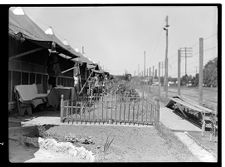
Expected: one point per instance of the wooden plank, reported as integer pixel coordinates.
(72, 109)
(138, 110)
(151, 113)
(61, 108)
(102, 109)
(67, 109)
(111, 109)
(142, 112)
(185, 104)
(129, 113)
(11, 82)
(133, 111)
(94, 113)
(193, 103)
(85, 115)
(106, 111)
(89, 114)
(146, 110)
(116, 111)
(81, 106)
(28, 78)
(124, 111)
(120, 112)
(76, 112)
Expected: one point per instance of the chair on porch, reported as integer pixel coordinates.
(27, 98)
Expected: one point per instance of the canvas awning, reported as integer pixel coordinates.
(23, 26)
(83, 59)
(89, 66)
(98, 71)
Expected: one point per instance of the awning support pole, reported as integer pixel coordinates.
(85, 83)
(25, 53)
(68, 70)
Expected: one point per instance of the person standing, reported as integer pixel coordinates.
(53, 68)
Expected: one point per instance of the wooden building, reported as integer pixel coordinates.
(28, 54)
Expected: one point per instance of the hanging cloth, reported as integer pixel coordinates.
(53, 67)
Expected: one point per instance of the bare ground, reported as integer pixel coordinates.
(130, 144)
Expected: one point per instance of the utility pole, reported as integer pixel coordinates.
(150, 74)
(159, 80)
(153, 73)
(186, 51)
(162, 71)
(178, 78)
(138, 70)
(83, 50)
(147, 72)
(144, 63)
(200, 70)
(166, 57)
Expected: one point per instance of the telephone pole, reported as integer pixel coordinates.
(138, 70)
(159, 79)
(200, 82)
(166, 57)
(153, 73)
(187, 51)
(83, 50)
(178, 78)
(144, 63)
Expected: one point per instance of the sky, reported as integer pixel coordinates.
(116, 37)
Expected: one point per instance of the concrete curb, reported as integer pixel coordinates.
(202, 154)
(203, 147)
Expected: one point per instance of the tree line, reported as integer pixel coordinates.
(209, 76)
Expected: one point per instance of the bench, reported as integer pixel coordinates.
(28, 97)
(184, 104)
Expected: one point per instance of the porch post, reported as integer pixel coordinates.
(61, 108)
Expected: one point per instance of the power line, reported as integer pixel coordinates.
(207, 49)
(210, 36)
(210, 48)
(196, 43)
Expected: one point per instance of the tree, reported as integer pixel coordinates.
(184, 80)
(195, 79)
(210, 73)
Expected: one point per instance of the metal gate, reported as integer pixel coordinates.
(110, 109)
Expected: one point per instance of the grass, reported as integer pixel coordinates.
(107, 144)
(174, 144)
(205, 142)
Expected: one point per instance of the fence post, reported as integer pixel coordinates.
(157, 111)
(102, 109)
(61, 108)
(203, 124)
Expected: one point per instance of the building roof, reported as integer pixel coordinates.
(23, 25)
